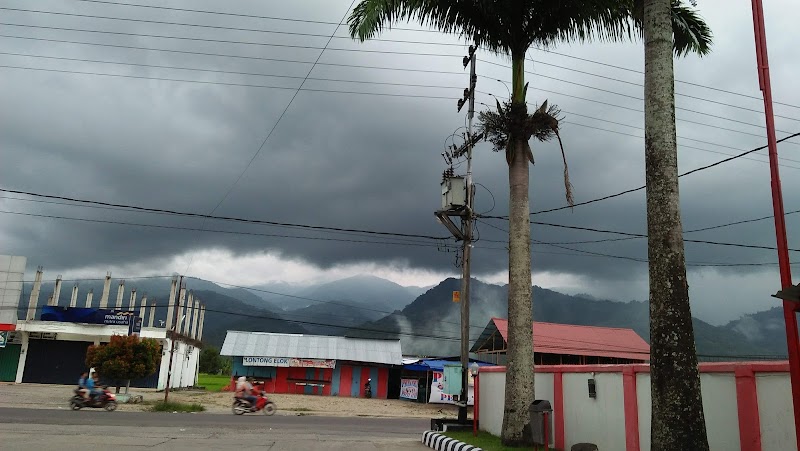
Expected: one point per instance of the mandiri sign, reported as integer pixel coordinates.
(87, 315)
(288, 362)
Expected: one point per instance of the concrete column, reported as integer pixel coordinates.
(23, 357)
(56, 291)
(152, 312)
(33, 303)
(187, 323)
(196, 318)
(202, 321)
(120, 294)
(132, 301)
(73, 301)
(142, 308)
(50, 300)
(171, 304)
(89, 297)
(106, 291)
(181, 309)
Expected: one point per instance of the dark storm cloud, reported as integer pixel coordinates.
(355, 161)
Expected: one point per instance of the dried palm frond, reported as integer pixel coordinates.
(511, 120)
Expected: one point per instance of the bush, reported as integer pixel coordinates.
(125, 358)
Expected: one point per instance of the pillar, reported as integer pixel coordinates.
(89, 297)
(152, 312)
(23, 356)
(33, 303)
(171, 304)
(187, 323)
(202, 321)
(181, 309)
(56, 291)
(132, 301)
(73, 301)
(196, 318)
(142, 308)
(120, 294)
(106, 290)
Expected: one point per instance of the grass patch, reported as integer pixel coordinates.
(484, 440)
(162, 406)
(213, 382)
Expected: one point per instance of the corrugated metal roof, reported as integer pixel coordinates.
(552, 338)
(265, 344)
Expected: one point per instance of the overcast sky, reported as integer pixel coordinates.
(367, 162)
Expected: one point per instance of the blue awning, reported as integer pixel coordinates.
(437, 364)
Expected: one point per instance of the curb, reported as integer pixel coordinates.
(441, 442)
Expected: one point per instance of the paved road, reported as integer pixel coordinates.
(95, 429)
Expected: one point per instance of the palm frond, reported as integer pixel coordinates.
(690, 32)
(511, 122)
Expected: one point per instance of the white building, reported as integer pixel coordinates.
(49, 345)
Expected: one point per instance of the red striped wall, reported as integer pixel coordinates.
(383, 383)
(345, 380)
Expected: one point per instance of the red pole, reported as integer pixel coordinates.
(792, 338)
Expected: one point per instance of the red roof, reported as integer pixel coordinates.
(551, 338)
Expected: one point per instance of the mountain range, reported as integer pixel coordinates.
(424, 319)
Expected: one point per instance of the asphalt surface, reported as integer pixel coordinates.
(96, 429)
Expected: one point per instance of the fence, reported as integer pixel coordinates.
(747, 405)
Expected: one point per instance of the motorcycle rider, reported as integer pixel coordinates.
(82, 389)
(91, 385)
(244, 390)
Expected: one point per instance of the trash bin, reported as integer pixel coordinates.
(540, 411)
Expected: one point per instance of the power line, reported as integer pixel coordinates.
(701, 168)
(223, 41)
(642, 72)
(231, 232)
(745, 221)
(225, 55)
(224, 218)
(203, 82)
(241, 15)
(637, 236)
(258, 74)
(283, 113)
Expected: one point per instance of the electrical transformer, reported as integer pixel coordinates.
(454, 193)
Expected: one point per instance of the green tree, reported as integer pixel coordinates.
(210, 361)
(125, 358)
(510, 28)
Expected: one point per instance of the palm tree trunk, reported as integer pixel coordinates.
(677, 409)
(519, 372)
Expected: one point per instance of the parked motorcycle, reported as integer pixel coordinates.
(105, 400)
(242, 406)
(368, 389)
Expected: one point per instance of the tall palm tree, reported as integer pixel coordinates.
(677, 420)
(511, 27)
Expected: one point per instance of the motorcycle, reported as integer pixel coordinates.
(368, 389)
(242, 405)
(105, 400)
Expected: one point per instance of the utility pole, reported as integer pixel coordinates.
(466, 222)
(789, 308)
(172, 339)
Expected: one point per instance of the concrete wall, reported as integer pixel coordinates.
(12, 271)
(185, 362)
(756, 396)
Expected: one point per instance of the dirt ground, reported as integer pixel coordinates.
(57, 397)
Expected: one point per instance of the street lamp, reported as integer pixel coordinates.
(474, 368)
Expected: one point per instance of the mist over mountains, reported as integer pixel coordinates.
(425, 320)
